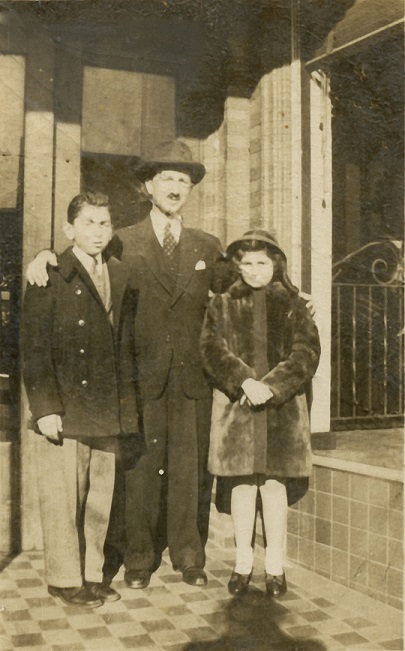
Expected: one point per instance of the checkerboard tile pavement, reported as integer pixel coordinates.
(315, 614)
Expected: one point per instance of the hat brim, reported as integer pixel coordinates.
(147, 169)
(234, 246)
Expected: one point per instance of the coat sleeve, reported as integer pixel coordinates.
(126, 365)
(226, 369)
(290, 376)
(38, 364)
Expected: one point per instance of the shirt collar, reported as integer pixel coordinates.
(159, 221)
(86, 259)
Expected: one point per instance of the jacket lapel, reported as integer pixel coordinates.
(151, 251)
(118, 273)
(190, 249)
(69, 266)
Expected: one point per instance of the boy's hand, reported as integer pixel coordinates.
(256, 392)
(310, 303)
(51, 427)
(36, 270)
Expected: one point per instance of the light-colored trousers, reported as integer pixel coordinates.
(75, 485)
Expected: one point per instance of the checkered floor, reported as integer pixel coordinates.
(314, 615)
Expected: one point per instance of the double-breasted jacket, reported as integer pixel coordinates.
(76, 363)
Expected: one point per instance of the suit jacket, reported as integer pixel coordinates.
(76, 363)
(170, 311)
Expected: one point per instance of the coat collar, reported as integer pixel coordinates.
(276, 290)
(70, 266)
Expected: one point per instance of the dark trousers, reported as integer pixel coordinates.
(168, 493)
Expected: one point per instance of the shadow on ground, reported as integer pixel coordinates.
(251, 623)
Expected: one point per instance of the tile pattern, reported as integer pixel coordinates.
(316, 614)
(349, 528)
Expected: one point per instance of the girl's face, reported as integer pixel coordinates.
(256, 268)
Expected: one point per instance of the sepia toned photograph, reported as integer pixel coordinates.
(201, 325)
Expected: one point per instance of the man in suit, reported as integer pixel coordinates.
(78, 373)
(168, 492)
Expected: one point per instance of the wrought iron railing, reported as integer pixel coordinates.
(368, 337)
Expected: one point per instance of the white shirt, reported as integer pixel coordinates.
(88, 260)
(159, 221)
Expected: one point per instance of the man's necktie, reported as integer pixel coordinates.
(169, 242)
(99, 279)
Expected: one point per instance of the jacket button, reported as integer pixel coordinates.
(78, 291)
(81, 351)
(161, 471)
(168, 338)
(84, 383)
(81, 323)
(154, 441)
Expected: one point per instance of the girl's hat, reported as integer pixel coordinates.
(257, 235)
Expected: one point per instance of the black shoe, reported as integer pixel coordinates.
(76, 596)
(137, 579)
(238, 583)
(195, 576)
(103, 591)
(276, 585)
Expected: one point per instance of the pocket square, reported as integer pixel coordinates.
(200, 265)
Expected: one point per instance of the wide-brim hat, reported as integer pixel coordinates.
(256, 234)
(170, 155)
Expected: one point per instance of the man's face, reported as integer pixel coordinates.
(169, 190)
(256, 269)
(91, 230)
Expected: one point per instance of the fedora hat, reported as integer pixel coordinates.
(257, 235)
(170, 155)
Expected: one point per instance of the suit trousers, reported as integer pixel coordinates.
(168, 493)
(75, 485)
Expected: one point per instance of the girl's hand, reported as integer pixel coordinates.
(256, 392)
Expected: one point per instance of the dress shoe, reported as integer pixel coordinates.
(195, 576)
(103, 591)
(276, 585)
(137, 579)
(76, 596)
(238, 583)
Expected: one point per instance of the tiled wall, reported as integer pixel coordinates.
(349, 527)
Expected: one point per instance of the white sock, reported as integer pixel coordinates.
(243, 511)
(275, 508)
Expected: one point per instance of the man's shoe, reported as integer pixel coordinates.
(238, 583)
(103, 591)
(195, 576)
(276, 585)
(137, 579)
(76, 596)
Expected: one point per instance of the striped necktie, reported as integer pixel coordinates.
(99, 279)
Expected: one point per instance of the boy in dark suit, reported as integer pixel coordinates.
(79, 379)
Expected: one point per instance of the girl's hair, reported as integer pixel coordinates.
(280, 264)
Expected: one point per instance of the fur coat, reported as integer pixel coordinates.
(275, 439)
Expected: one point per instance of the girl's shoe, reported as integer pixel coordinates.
(238, 583)
(276, 585)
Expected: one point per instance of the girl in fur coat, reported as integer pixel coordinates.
(261, 348)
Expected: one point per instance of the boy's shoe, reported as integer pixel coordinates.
(103, 591)
(276, 585)
(81, 597)
(238, 583)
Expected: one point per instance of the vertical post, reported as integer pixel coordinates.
(321, 241)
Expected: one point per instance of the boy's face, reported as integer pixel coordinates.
(256, 269)
(170, 190)
(91, 230)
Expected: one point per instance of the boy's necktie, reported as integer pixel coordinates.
(99, 280)
(169, 242)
